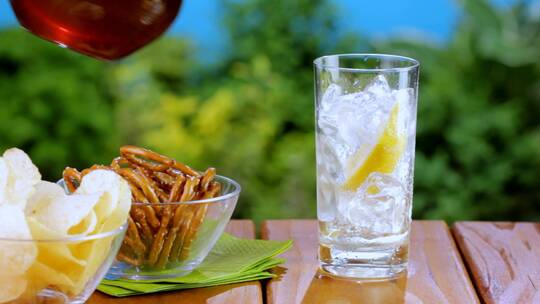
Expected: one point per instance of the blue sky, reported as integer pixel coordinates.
(433, 19)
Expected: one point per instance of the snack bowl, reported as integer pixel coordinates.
(186, 233)
(60, 270)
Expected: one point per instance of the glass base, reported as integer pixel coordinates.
(370, 263)
(125, 271)
(364, 271)
(53, 296)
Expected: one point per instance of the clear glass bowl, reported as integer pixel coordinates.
(64, 270)
(176, 248)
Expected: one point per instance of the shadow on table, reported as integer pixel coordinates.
(325, 289)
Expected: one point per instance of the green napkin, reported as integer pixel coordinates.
(232, 260)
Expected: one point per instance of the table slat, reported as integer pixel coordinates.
(436, 273)
(249, 292)
(503, 259)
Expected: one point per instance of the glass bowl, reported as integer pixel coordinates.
(178, 245)
(64, 270)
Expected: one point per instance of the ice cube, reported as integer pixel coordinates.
(379, 207)
(355, 121)
(378, 86)
(326, 197)
(331, 96)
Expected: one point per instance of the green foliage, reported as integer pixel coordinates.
(478, 138)
(251, 116)
(55, 104)
(241, 128)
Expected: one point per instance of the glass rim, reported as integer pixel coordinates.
(414, 64)
(235, 192)
(71, 239)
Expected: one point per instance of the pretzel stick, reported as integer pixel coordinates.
(93, 168)
(184, 227)
(196, 222)
(133, 241)
(154, 162)
(193, 217)
(192, 229)
(150, 213)
(157, 161)
(140, 217)
(137, 180)
(136, 242)
(189, 189)
(124, 258)
(163, 179)
(181, 215)
(145, 175)
(157, 244)
(177, 187)
(208, 176)
(119, 162)
(157, 233)
(187, 194)
(174, 172)
(184, 169)
(167, 247)
(137, 195)
(72, 178)
(128, 251)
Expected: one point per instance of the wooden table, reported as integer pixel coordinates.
(474, 262)
(250, 292)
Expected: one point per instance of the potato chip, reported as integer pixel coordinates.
(52, 253)
(22, 177)
(15, 257)
(39, 210)
(3, 179)
(42, 276)
(65, 212)
(86, 226)
(57, 258)
(111, 184)
(97, 251)
(12, 287)
(44, 193)
(118, 189)
(119, 216)
(41, 232)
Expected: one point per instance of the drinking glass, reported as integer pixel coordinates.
(365, 138)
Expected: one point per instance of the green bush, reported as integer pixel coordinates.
(54, 104)
(478, 139)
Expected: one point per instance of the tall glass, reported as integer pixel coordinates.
(365, 130)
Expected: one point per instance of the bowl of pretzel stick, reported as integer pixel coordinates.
(177, 213)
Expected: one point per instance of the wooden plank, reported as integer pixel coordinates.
(249, 292)
(436, 273)
(503, 259)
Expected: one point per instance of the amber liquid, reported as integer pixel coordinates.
(105, 29)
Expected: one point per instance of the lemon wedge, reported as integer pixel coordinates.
(383, 157)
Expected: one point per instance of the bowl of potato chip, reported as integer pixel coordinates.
(177, 213)
(55, 247)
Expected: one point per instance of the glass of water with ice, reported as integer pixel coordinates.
(365, 129)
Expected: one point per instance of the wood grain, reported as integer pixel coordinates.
(503, 259)
(249, 292)
(436, 273)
